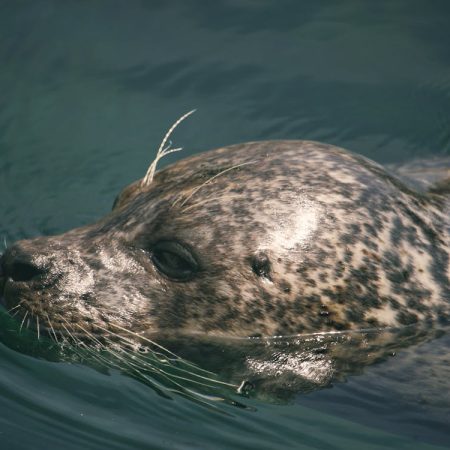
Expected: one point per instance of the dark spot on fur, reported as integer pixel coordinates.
(323, 277)
(355, 315)
(310, 282)
(338, 325)
(394, 303)
(407, 318)
(339, 269)
(372, 321)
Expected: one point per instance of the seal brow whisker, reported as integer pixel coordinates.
(209, 180)
(207, 199)
(163, 150)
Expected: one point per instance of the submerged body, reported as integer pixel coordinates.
(258, 239)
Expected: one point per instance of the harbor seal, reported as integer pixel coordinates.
(256, 239)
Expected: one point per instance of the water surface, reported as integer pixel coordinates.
(87, 91)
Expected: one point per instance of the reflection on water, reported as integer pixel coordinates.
(196, 366)
(413, 367)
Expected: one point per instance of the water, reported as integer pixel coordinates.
(87, 89)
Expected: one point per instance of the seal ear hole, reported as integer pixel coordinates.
(261, 265)
(174, 260)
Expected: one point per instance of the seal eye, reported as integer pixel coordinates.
(174, 260)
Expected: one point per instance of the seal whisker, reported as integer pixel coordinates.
(102, 346)
(163, 151)
(141, 360)
(162, 358)
(176, 357)
(127, 362)
(160, 372)
(38, 327)
(136, 354)
(15, 307)
(74, 339)
(15, 314)
(192, 381)
(64, 341)
(90, 335)
(51, 328)
(160, 389)
(209, 180)
(95, 353)
(208, 199)
(77, 341)
(136, 370)
(23, 321)
(153, 368)
(140, 337)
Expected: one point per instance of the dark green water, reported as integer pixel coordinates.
(87, 90)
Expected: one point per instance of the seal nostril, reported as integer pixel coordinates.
(21, 271)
